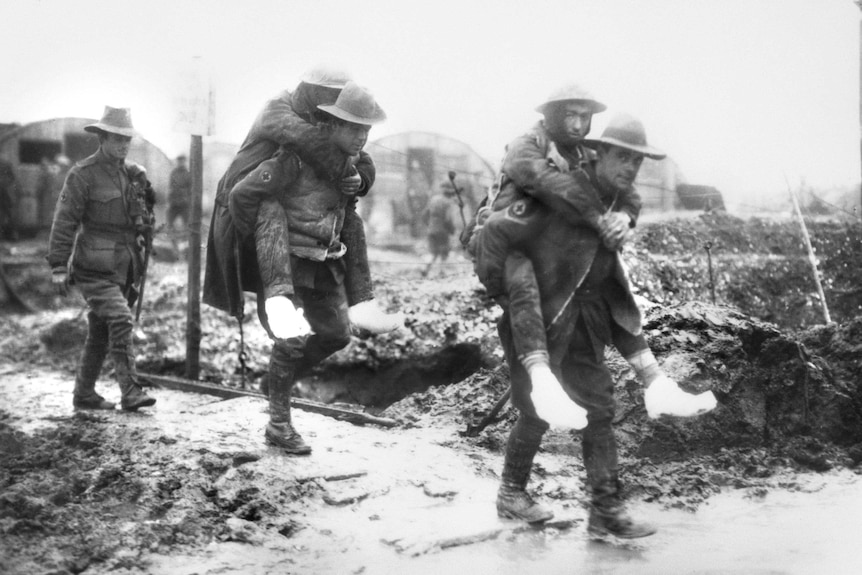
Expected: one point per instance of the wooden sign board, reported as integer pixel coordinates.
(194, 102)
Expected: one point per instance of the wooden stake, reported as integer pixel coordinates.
(193, 315)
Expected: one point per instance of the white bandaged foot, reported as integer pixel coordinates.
(552, 403)
(665, 397)
(370, 316)
(285, 320)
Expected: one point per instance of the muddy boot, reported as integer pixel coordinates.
(615, 521)
(279, 430)
(95, 350)
(607, 512)
(133, 396)
(86, 397)
(513, 501)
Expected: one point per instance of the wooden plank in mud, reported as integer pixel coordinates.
(182, 384)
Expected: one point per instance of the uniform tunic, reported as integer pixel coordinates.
(103, 211)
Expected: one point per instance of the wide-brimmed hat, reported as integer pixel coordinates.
(326, 75)
(572, 93)
(115, 121)
(627, 132)
(356, 104)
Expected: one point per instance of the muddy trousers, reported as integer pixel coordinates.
(602, 465)
(357, 280)
(92, 358)
(109, 331)
(521, 448)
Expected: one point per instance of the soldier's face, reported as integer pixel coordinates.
(350, 138)
(618, 167)
(116, 146)
(573, 121)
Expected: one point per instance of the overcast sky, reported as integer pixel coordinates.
(741, 93)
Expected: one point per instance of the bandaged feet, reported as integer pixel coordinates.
(665, 397)
(370, 316)
(285, 320)
(551, 401)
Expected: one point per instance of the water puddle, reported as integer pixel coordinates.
(813, 530)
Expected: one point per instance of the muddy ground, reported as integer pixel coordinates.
(190, 484)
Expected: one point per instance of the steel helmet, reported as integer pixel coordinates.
(575, 93)
(326, 75)
(628, 132)
(357, 105)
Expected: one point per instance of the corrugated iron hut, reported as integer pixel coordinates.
(657, 183)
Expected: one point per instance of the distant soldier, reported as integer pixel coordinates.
(179, 193)
(440, 220)
(8, 200)
(111, 201)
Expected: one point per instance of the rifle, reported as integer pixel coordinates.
(460, 199)
(148, 247)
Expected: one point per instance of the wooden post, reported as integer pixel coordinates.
(193, 316)
(859, 5)
(811, 258)
(195, 113)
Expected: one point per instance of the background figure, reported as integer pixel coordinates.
(179, 194)
(440, 219)
(418, 192)
(45, 186)
(8, 201)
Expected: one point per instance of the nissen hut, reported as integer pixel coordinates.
(411, 168)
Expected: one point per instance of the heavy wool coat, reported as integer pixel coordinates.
(287, 120)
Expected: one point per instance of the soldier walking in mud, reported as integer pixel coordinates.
(179, 194)
(111, 201)
(441, 225)
(290, 120)
(288, 219)
(558, 276)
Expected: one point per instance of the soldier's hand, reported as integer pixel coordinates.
(351, 184)
(285, 320)
(614, 229)
(60, 281)
(552, 403)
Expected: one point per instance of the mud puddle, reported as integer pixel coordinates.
(812, 530)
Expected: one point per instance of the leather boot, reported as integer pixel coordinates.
(85, 396)
(513, 501)
(279, 430)
(92, 358)
(607, 511)
(133, 396)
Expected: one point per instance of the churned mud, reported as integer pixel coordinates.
(190, 487)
